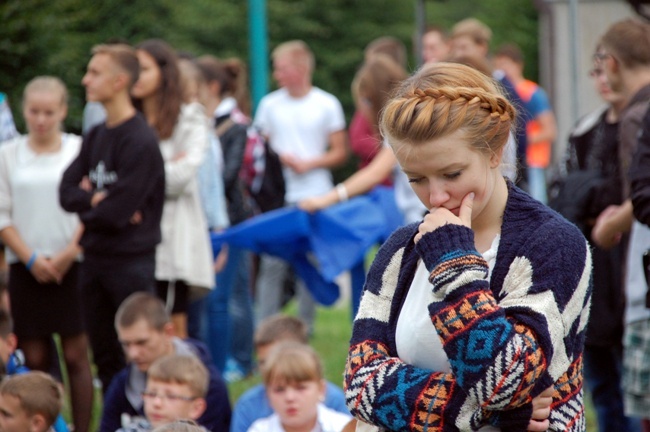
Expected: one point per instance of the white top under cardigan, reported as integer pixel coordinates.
(185, 252)
(29, 194)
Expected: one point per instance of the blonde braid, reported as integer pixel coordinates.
(474, 98)
(428, 107)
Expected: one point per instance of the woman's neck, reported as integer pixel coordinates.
(211, 105)
(488, 224)
(46, 144)
(150, 109)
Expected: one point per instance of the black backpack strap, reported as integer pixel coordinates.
(224, 127)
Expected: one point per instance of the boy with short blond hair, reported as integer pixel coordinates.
(474, 31)
(29, 402)
(295, 386)
(254, 403)
(176, 389)
(306, 128)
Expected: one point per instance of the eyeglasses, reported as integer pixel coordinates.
(169, 397)
(602, 56)
(596, 72)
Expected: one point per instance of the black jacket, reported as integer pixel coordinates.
(233, 145)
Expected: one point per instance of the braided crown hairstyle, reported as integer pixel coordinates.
(443, 98)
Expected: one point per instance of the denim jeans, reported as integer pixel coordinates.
(270, 289)
(224, 319)
(602, 371)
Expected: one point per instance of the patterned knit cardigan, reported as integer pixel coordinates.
(507, 340)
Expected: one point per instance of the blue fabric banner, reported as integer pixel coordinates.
(322, 245)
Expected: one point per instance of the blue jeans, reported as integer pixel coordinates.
(229, 313)
(602, 371)
(270, 288)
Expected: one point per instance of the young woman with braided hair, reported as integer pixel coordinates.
(474, 318)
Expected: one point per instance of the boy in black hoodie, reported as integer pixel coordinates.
(116, 185)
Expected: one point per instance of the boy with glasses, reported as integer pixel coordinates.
(176, 389)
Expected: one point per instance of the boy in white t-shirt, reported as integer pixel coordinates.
(293, 376)
(306, 128)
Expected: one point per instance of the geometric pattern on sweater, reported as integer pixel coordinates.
(507, 339)
(457, 268)
(497, 388)
(565, 409)
(520, 275)
(471, 349)
(389, 402)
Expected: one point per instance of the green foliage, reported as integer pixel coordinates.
(55, 37)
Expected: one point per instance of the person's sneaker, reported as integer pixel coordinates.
(234, 371)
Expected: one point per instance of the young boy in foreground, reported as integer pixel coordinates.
(29, 402)
(176, 389)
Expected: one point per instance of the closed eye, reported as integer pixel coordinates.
(415, 179)
(453, 175)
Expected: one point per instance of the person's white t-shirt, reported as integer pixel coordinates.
(328, 421)
(29, 194)
(301, 127)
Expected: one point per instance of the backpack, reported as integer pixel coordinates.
(574, 192)
(261, 170)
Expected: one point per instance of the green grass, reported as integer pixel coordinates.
(332, 331)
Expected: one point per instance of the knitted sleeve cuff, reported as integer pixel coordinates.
(445, 243)
(451, 258)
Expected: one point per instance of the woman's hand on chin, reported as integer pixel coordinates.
(440, 216)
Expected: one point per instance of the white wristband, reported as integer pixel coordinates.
(342, 192)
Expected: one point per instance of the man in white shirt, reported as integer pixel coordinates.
(306, 127)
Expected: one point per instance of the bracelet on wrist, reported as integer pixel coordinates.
(31, 261)
(342, 192)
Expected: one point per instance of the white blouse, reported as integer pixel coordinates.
(29, 194)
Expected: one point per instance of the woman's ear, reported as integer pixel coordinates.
(496, 157)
